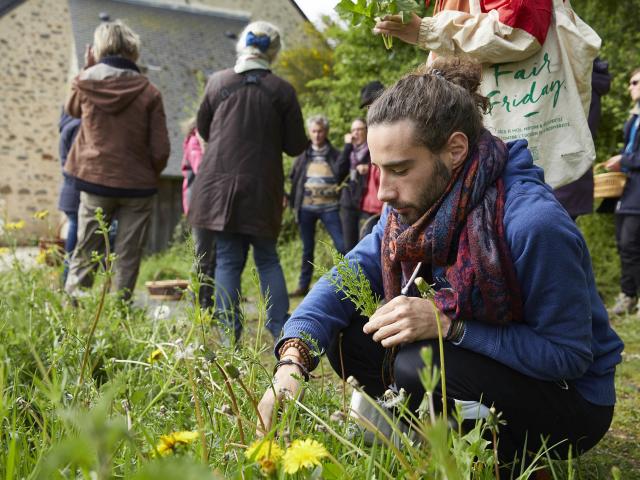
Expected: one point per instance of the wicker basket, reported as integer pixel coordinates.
(608, 185)
(167, 289)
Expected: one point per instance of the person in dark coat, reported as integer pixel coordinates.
(628, 208)
(315, 178)
(577, 197)
(249, 117)
(69, 199)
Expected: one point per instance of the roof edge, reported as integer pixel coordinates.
(295, 4)
(9, 6)
(198, 9)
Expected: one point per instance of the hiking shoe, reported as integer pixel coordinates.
(299, 292)
(624, 305)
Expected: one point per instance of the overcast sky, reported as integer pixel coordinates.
(314, 9)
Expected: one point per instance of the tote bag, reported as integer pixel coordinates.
(545, 98)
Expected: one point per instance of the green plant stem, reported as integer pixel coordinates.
(344, 381)
(495, 453)
(200, 420)
(254, 403)
(234, 402)
(443, 379)
(105, 288)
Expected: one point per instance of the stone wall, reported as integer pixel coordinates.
(36, 44)
(35, 41)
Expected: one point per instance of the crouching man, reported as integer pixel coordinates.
(526, 330)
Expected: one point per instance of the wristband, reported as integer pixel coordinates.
(288, 361)
(302, 349)
(456, 331)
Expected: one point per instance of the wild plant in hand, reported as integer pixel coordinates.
(365, 13)
(350, 279)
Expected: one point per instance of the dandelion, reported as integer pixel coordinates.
(41, 258)
(41, 214)
(169, 443)
(303, 454)
(14, 225)
(267, 453)
(155, 356)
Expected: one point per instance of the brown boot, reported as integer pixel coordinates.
(299, 292)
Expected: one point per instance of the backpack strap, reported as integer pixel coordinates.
(251, 78)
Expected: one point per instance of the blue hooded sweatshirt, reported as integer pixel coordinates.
(565, 334)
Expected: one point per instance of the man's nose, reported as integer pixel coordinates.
(386, 191)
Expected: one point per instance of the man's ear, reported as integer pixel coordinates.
(457, 149)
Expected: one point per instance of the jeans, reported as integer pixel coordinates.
(205, 247)
(307, 220)
(531, 407)
(231, 255)
(628, 240)
(351, 220)
(70, 242)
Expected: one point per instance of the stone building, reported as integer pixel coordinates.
(43, 43)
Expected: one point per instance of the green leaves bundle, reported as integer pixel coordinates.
(365, 13)
(351, 280)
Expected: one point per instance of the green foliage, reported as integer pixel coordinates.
(358, 58)
(349, 279)
(617, 24)
(309, 60)
(365, 13)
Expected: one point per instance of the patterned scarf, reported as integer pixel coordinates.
(462, 233)
(358, 154)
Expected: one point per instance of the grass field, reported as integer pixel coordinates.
(79, 402)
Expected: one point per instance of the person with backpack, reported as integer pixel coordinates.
(249, 117)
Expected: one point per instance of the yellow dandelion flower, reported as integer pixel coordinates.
(4, 251)
(155, 356)
(41, 214)
(303, 454)
(41, 258)
(169, 443)
(14, 225)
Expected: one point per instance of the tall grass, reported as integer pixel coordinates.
(148, 375)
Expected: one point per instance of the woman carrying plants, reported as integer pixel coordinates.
(537, 58)
(525, 330)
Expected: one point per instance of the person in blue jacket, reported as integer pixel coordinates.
(69, 199)
(526, 331)
(628, 207)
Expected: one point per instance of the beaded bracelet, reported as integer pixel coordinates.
(302, 349)
(288, 361)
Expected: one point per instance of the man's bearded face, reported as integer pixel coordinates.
(412, 178)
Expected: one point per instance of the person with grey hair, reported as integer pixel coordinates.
(315, 177)
(116, 160)
(249, 117)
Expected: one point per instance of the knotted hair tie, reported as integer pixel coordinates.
(261, 42)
